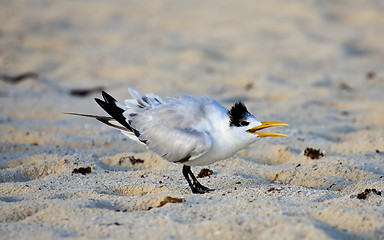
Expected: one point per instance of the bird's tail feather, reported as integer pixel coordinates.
(114, 109)
(106, 120)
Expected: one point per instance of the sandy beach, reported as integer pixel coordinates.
(316, 65)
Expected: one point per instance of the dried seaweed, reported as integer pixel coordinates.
(313, 153)
(274, 189)
(132, 159)
(82, 170)
(205, 172)
(169, 199)
(366, 192)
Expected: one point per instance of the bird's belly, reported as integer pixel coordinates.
(210, 157)
(223, 147)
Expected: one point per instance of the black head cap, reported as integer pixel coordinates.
(238, 114)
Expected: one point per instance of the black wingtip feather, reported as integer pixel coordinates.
(237, 114)
(109, 105)
(108, 98)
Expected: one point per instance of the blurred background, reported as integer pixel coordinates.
(306, 63)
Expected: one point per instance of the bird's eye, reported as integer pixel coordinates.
(244, 123)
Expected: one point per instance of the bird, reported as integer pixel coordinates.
(192, 131)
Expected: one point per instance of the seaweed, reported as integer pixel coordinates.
(313, 153)
(205, 172)
(82, 170)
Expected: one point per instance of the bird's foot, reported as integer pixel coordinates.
(200, 189)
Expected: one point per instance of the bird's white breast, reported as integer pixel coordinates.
(224, 143)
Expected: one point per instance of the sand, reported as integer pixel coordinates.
(317, 65)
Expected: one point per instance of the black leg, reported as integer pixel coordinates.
(195, 186)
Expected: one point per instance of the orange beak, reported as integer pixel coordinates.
(267, 125)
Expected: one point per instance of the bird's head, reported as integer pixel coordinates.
(242, 121)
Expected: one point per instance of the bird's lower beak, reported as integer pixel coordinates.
(267, 125)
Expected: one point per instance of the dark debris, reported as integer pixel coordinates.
(205, 172)
(345, 86)
(18, 78)
(366, 192)
(313, 153)
(82, 170)
(274, 189)
(134, 160)
(169, 199)
(370, 75)
(248, 86)
(78, 92)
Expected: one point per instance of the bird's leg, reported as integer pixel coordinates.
(195, 186)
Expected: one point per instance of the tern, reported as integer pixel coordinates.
(193, 131)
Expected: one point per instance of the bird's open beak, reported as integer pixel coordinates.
(267, 125)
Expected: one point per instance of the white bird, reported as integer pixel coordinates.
(193, 131)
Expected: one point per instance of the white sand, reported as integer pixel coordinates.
(300, 62)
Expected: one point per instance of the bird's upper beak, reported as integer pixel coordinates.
(267, 125)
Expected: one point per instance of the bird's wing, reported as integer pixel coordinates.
(175, 144)
(174, 130)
